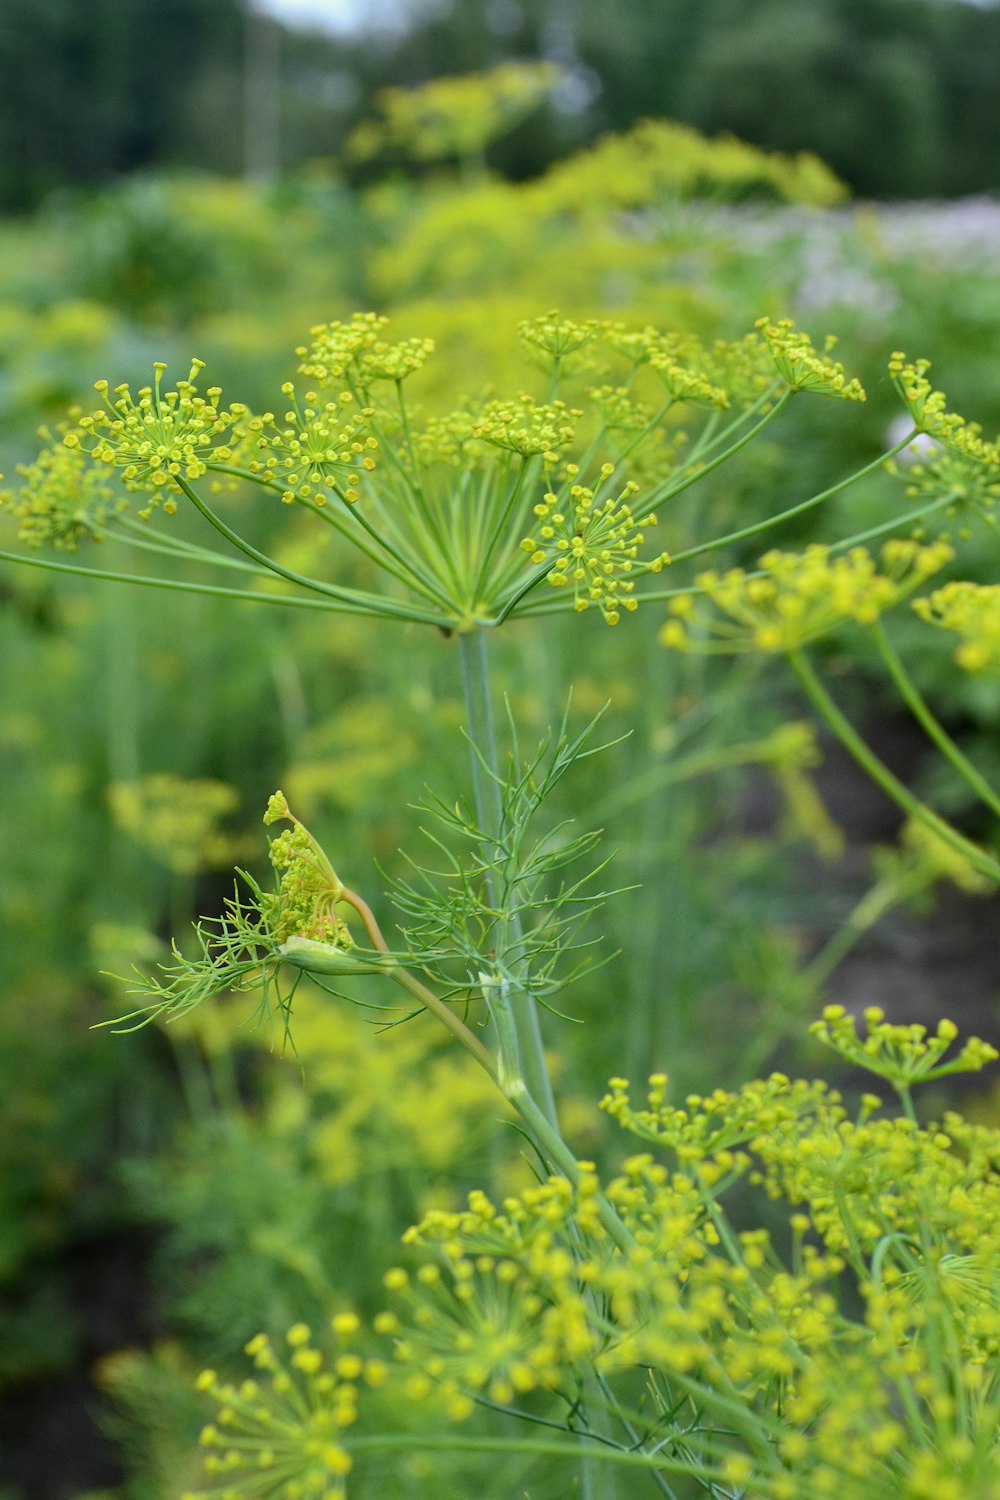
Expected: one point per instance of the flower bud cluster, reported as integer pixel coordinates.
(592, 543)
(799, 597)
(309, 889)
(355, 353)
(527, 427)
(63, 498)
(318, 452)
(693, 386)
(158, 437)
(552, 339)
(521, 1294)
(281, 1434)
(902, 1055)
(801, 367)
(972, 611)
(969, 481)
(927, 407)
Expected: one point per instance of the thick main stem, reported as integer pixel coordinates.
(510, 1000)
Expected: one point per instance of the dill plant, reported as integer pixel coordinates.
(628, 1325)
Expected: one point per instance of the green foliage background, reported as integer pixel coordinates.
(258, 1184)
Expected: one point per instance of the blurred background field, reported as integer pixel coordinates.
(193, 177)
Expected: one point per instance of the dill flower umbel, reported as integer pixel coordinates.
(592, 543)
(799, 365)
(63, 498)
(318, 451)
(971, 611)
(798, 597)
(309, 888)
(777, 1382)
(282, 1434)
(928, 408)
(158, 437)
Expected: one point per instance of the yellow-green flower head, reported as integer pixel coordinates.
(941, 860)
(319, 452)
(478, 1326)
(592, 542)
(637, 345)
(355, 354)
(798, 597)
(394, 361)
(688, 385)
(282, 1433)
(801, 367)
(971, 483)
(553, 339)
(178, 820)
(729, 373)
(456, 116)
(309, 888)
(659, 160)
(706, 1125)
(63, 499)
(618, 409)
(928, 408)
(971, 611)
(158, 437)
(526, 427)
(335, 348)
(902, 1055)
(446, 440)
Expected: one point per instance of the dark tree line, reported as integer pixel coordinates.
(899, 96)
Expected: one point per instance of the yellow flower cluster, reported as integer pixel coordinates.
(727, 373)
(527, 427)
(478, 1328)
(319, 450)
(592, 543)
(618, 409)
(445, 440)
(335, 348)
(63, 499)
(973, 482)
(969, 610)
(178, 820)
(799, 365)
(282, 1434)
(928, 408)
(660, 159)
(688, 385)
(309, 890)
(718, 1122)
(456, 116)
(940, 860)
(553, 339)
(798, 597)
(902, 1055)
(803, 1399)
(159, 437)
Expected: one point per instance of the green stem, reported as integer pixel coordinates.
(543, 1447)
(881, 774)
(668, 492)
(872, 907)
(934, 731)
(183, 586)
(793, 510)
(315, 585)
(514, 1003)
